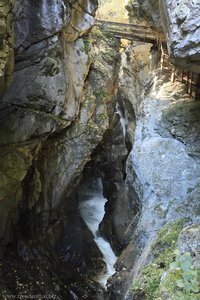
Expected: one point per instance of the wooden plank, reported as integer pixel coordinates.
(132, 37)
(124, 29)
(124, 24)
(141, 34)
(197, 94)
(187, 84)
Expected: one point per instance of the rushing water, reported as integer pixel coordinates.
(92, 211)
(122, 120)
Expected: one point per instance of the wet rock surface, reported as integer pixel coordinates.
(70, 105)
(52, 117)
(38, 273)
(167, 185)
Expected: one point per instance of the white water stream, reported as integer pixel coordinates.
(122, 120)
(92, 211)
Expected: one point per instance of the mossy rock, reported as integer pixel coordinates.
(163, 255)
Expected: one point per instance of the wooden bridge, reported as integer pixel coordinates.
(144, 34)
(130, 32)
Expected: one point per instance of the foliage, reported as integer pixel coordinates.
(96, 32)
(86, 42)
(147, 285)
(161, 212)
(100, 94)
(181, 280)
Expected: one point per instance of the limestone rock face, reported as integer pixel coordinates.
(182, 29)
(59, 113)
(53, 115)
(145, 11)
(180, 23)
(81, 19)
(47, 86)
(171, 181)
(163, 170)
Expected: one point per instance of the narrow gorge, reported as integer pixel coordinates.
(100, 149)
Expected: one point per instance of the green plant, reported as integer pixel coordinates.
(197, 211)
(100, 94)
(181, 280)
(86, 42)
(96, 33)
(188, 281)
(161, 212)
(189, 190)
(147, 285)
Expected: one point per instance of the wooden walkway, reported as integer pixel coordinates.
(192, 81)
(144, 34)
(130, 32)
(187, 77)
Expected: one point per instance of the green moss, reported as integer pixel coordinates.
(89, 101)
(93, 128)
(179, 209)
(167, 236)
(161, 212)
(87, 42)
(103, 116)
(189, 190)
(14, 164)
(100, 94)
(96, 33)
(163, 249)
(181, 280)
(197, 211)
(51, 67)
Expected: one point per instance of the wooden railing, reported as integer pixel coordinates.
(140, 33)
(131, 32)
(192, 81)
(189, 78)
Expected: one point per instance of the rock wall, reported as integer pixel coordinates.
(54, 114)
(44, 96)
(182, 31)
(180, 22)
(163, 171)
(6, 45)
(145, 11)
(64, 109)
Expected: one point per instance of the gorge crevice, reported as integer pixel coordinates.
(91, 207)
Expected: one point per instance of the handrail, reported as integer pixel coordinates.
(128, 31)
(123, 24)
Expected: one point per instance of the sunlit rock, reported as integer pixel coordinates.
(182, 29)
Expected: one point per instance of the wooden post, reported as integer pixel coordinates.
(191, 84)
(188, 76)
(197, 95)
(183, 73)
(173, 75)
